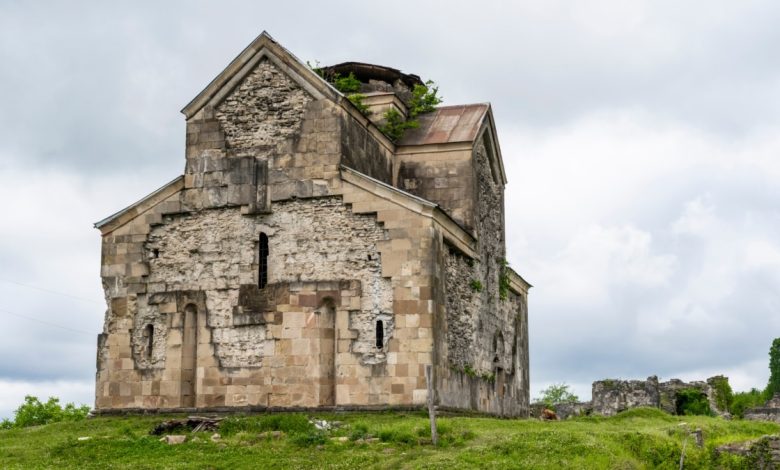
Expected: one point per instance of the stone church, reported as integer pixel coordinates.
(305, 260)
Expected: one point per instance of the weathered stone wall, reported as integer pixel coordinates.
(216, 251)
(362, 150)
(445, 177)
(610, 397)
(485, 346)
(266, 108)
(762, 453)
(769, 412)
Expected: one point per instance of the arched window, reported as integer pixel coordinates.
(149, 336)
(380, 334)
(262, 277)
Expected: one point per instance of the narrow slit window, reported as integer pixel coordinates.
(262, 278)
(149, 333)
(380, 334)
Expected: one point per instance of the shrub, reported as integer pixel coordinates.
(395, 125)
(745, 400)
(691, 401)
(357, 100)
(33, 412)
(476, 285)
(424, 99)
(348, 84)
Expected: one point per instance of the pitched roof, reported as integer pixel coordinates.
(447, 124)
(264, 46)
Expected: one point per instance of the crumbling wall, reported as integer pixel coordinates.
(769, 412)
(148, 315)
(463, 308)
(310, 240)
(610, 397)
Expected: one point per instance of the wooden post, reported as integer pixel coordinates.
(431, 410)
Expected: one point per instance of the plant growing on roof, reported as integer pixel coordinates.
(395, 125)
(357, 100)
(348, 84)
(424, 99)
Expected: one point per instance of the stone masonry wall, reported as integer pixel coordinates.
(485, 349)
(216, 251)
(443, 177)
(266, 108)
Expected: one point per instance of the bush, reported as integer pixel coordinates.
(693, 402)
(33, 412)
(745, 400)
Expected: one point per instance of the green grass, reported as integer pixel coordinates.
(642, 438)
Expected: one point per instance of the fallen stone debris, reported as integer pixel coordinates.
(193, 423)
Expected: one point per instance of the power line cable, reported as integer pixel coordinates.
(46, 322)
(51, 291)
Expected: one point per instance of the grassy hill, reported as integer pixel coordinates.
(641, 438)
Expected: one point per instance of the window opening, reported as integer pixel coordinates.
(380, 334)
(149, 334)
(262, 278)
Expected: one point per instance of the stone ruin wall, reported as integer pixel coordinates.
(769, 412)
(610, 397)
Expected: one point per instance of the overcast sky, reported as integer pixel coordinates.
(640, 140)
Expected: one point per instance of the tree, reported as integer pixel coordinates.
(557, 394)
(34, 412)
(774, 370)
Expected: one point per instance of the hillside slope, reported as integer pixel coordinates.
(642, 438)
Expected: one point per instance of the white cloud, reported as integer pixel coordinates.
(12, 393)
